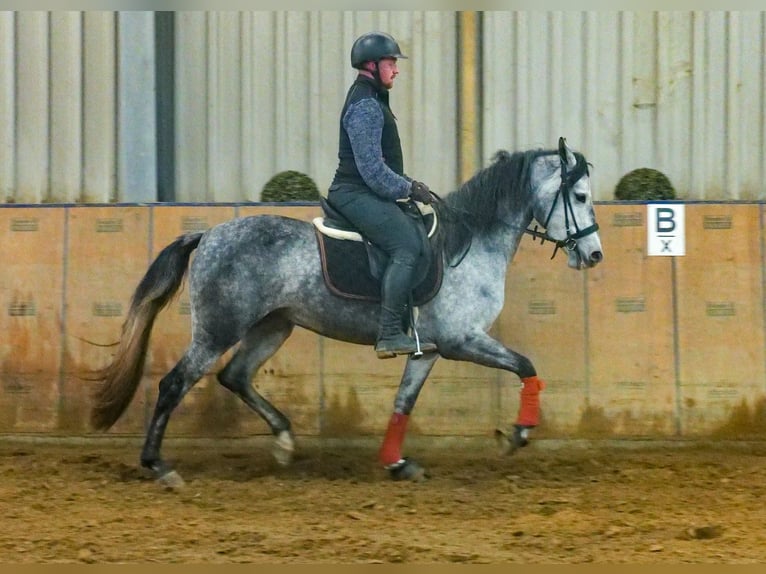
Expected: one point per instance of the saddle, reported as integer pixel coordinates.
(353, 266)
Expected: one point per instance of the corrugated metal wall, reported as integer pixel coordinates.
(58, 106)
(259, 92)
(255, 93)
(682, 92)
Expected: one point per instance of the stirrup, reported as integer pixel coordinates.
(421, 347)
(418, 351)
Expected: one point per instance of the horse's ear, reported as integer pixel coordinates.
(565, 153)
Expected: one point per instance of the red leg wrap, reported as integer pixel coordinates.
(529, 404)
(391, 450)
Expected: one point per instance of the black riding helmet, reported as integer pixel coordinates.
(373, 47)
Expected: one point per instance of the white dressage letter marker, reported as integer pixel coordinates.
(665, 233)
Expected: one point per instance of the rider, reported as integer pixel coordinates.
(370, 180)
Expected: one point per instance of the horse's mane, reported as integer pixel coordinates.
(474, 207)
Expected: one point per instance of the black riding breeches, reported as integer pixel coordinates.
(381, 221)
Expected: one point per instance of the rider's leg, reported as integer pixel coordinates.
(395, 288)
(386, 225)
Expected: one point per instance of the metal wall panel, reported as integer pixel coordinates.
(66, 104)
(32, 104)
(7, 103)
(261, 92)
(99, 177)
(136, 108)
(681, 92)
(57, 106)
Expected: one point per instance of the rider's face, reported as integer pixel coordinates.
(388, 71)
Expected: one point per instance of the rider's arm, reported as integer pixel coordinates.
(363, 122)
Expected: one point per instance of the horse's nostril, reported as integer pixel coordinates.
(596, 256)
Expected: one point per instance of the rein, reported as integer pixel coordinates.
(568, 179)
(449, 211)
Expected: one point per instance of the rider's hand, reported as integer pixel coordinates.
(419, 192)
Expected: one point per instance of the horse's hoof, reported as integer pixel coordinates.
(171, 480)
(407, 469)
(510, 443)
(283, 448)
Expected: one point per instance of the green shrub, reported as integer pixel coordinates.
(290, 186)
(644, 183)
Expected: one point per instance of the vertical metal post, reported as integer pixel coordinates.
(165, 66)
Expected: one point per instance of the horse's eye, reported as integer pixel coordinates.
(581, 197)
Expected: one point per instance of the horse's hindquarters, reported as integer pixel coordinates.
(248, 268)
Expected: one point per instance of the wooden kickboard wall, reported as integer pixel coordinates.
(638, 346)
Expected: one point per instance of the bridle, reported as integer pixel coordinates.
(568, 180)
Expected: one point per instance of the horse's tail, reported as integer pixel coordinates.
(120, 379)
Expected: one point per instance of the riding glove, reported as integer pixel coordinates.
(420, 192)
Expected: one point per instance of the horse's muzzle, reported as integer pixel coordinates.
(578, 260)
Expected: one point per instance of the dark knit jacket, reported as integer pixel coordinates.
(348, 171)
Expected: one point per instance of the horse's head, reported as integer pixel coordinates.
(563, 205)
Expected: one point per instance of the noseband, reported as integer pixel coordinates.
(568, 180)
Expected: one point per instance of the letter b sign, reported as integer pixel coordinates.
(665, 229)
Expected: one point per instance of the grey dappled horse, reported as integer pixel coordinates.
(254, 279)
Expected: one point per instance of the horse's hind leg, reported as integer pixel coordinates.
(172, 389)
(260, 343)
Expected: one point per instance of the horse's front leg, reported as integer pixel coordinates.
(390, 455)
(480, 348)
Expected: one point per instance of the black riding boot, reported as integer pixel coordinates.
(392, 340)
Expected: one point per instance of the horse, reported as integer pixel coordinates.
(253, 279)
